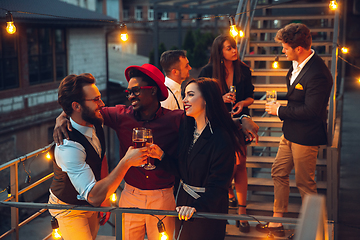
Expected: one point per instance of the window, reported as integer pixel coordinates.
(138, 13)
(46, 55)
(125, 14)
(9, 68)
(151, 14)
(165, 16)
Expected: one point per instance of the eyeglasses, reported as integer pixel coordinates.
(135, 90)
(96, 100)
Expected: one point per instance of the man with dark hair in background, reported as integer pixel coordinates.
(176, 67)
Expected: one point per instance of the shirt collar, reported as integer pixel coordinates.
(158, 113)
(87, 131)
(301, 65)
(171, 83)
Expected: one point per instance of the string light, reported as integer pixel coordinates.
(345, 50)
(333, 5)
(8, 191)
(48, 156)
(113, 198)
(162, 232)
(10, 27)
(56, 234)
(123, 32)
(233, 29)
(275, 64)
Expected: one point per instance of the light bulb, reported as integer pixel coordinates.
(10, 27)
(275, 65)
(48, 156)
(344, 50)
(242, 34)
(56, 234)
(124, 37)
(333, 5)
(113, 197)
(163, 236)
(233, 31)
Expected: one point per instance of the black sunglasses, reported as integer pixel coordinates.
(135, 90)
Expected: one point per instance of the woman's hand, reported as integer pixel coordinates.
(185, 212)
(135, 157)
(61, 127)
(229, 98)
(250, 129)
(238, 107)
(155, 151)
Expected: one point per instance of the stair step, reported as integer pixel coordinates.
(260, 104)
(266, 162)
(233, 233)
(294, 5)
(293, 17)
(269, 72)
(276, 44)
(275, 30)
(267, 87)
(266, 141)
(266, 57)
(267, 184)
(268, 121)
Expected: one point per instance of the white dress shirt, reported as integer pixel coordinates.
(70, 157)
(296, 70)
(170, 102)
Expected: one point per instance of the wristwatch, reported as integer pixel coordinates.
(242, 116)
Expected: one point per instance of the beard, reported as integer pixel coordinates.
(90, 117)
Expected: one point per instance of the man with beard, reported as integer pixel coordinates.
(147, 189)
(80, 167)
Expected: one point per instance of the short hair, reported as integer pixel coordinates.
(147, 79)
(71, 90)
(295, 34)
(169, 58)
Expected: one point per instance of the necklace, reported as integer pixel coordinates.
(197, 134)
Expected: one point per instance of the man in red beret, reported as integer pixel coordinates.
(147, 189)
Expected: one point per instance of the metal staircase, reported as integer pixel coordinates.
(259, 52)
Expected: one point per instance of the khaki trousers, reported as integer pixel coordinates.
(75, 224)
(137, 224)
(291, 155)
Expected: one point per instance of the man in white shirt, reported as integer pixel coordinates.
(80, 166)
(176, 67)
(309, 84)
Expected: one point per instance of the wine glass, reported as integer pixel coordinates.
(138, 137)
(271, 96)
(149, 139)
(233, 91)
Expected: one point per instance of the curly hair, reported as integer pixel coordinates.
(295, 34)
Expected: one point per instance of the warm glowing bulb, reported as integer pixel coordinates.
(242, 34)
(333, 5)
(48, 156)
(358, 80)
(163, 236)
(344, 50)
(113, 197)
(56, 234)
(275, 65)
(10, 27)
(233, 31)
(124, 37)
(9, 195)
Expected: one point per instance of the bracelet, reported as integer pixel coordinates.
(242, 116)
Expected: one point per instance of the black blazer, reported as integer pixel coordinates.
(209, 164)
(305, 114)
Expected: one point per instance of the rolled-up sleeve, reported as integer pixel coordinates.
(70, 157)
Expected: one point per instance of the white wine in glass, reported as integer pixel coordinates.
(271, 96)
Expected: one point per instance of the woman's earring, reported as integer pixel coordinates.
(222, 61)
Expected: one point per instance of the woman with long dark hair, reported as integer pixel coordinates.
(208, 141)
(226, 66)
